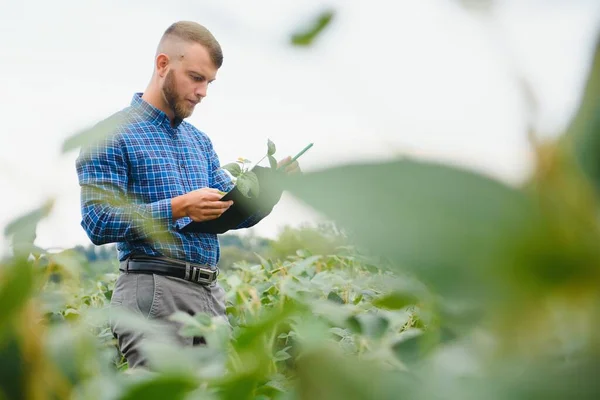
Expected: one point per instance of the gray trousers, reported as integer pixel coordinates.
(156, 297)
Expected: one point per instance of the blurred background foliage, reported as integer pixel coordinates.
(450, 285)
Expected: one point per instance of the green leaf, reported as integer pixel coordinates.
(233, 168)
(23, 229)
(277, 384)
(248, 184)
(71, 313)
(395, 301)
(160, 387)
(333, 296)
(324, 374)
(271, 147)
(272, 162)
(200, 320)
(16, 287)
(447, 224)
(255, 332)
(95, 134)
(70, 347)
(412, 346)
(282, 355)
(342, 333)
(307, 36)
(585, 127)
(369, 324)
(13, 368)
(267, 264)
(69, 260)
(233, 281)
(334, 313)
(239, 386)
(302, 266)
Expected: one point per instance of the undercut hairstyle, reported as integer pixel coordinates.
(193, 32)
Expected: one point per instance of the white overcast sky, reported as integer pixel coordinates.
(419, 77)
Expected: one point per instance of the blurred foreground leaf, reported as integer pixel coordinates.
(161, 387)
(325, 374)
(395, 301)
(95, 133)
(585, 127)
(23, 229)
(307, 36)
(16, 286)
(450, 225)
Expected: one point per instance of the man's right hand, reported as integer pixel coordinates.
(200, 205)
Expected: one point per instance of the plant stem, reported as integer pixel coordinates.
(259, 161)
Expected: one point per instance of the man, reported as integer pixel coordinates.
(157, 173)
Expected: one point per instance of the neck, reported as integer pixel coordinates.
(152, 95)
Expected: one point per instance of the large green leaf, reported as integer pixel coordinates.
(448, 224)
(325, 374)
(585, 127)
(12, 368)
(95, 133)
(72, 351)
(16, 287)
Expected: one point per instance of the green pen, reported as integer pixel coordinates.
(304, 150)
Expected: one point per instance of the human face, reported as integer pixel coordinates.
(187, 80)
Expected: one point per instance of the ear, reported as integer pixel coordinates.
(162, 64)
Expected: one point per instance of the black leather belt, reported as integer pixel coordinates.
(191, 272)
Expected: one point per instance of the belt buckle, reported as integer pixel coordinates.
(199, 274)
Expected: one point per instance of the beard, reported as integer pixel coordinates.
(180, 107)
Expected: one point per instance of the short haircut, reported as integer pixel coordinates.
(193, 32)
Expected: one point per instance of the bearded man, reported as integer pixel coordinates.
(153, 176)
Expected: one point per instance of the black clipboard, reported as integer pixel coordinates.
(270, 191)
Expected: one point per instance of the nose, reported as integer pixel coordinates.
(201, 89)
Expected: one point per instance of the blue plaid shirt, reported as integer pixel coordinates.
(128, 179)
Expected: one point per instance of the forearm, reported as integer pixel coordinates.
(106, 223)
(179, 207)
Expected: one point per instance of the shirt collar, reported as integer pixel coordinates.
(151, 113)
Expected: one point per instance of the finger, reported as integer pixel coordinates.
(283, 161)
(212, 196)
(215, 212)
(218, 205)
(292, 168)
(209, 217)
(207, 189)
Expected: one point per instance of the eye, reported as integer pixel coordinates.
(197, 78)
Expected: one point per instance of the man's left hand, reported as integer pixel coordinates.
(293, 168)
